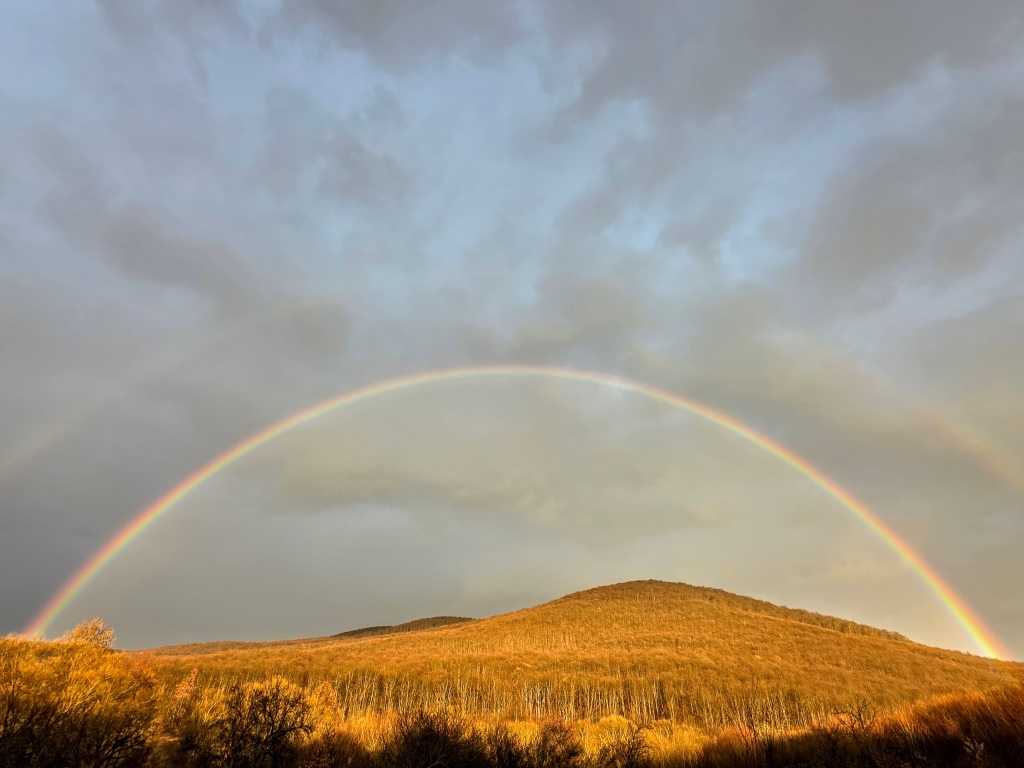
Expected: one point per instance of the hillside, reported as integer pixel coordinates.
(647, 650)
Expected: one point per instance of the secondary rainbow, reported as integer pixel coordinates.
(972, 625)
(986, 451)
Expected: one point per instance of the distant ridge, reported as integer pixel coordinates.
(416, 625)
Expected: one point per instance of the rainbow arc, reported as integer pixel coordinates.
(957, 607)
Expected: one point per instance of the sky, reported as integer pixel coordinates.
(216, 214)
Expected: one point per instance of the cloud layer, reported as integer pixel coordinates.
(215, 215)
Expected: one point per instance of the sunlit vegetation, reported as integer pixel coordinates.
(640, 674)
(75, 702)
(642, 650)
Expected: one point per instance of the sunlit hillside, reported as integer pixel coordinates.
(634, 675)
(645, 650)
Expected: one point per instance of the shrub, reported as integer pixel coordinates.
(73, 704)
(336, 750)
(628, 750)
(263, 725)
(190, 717)
(504, 750)
(95, 632)
(440, 738)
(557, 746)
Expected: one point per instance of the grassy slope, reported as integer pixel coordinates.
(661, 642)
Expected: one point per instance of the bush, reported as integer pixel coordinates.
(95, 632)
(504, 750)
(629, 750)
(73, 704)
(190, 717)
(263, 725)
(336, 750)
(557, 746)
(439, 738)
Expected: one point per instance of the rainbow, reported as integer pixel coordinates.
(972, 625)
(985, 450)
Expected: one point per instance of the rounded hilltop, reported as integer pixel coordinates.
(677, 594)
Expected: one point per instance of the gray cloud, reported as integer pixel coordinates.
(402, 35)
(581, 319)
(147, 26)
(141, 246)
(308, 149)
(357, 174)
(941, 205)
(976, 362)
(216, 215)
(132, 20)
(701, 58)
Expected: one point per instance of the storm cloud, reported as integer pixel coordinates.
(214, 215)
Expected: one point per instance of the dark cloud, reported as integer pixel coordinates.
(699, 58)
(146, 26)
(355, 174)
(144, 247)
(308, 150)
(973, 364)
(133, 20)
(934, 207)
(572, 318)
(403, 34)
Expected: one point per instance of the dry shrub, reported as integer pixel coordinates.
(190, 724)
(336, 750)
(263, 724)
(504, 749)
(95, 632)
(74, 703)
(629, 749)
(557, 746)
(441, 738)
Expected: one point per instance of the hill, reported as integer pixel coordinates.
(409, 626)
(646, 650)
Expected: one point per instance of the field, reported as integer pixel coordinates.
(642, 673)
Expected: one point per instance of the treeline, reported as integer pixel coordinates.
(77, 703)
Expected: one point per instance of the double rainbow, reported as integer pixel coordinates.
(983, 638)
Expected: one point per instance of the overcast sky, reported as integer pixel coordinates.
(214, 214)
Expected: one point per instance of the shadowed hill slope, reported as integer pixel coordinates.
(644, 649)
(409, 626)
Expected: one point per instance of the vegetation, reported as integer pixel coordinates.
(640, 674)
(409, 626)
(75, 703)
(645, 651)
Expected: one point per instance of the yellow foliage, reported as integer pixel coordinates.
(644, 651)
(635, 675)
(94, 632)
(70, 703)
